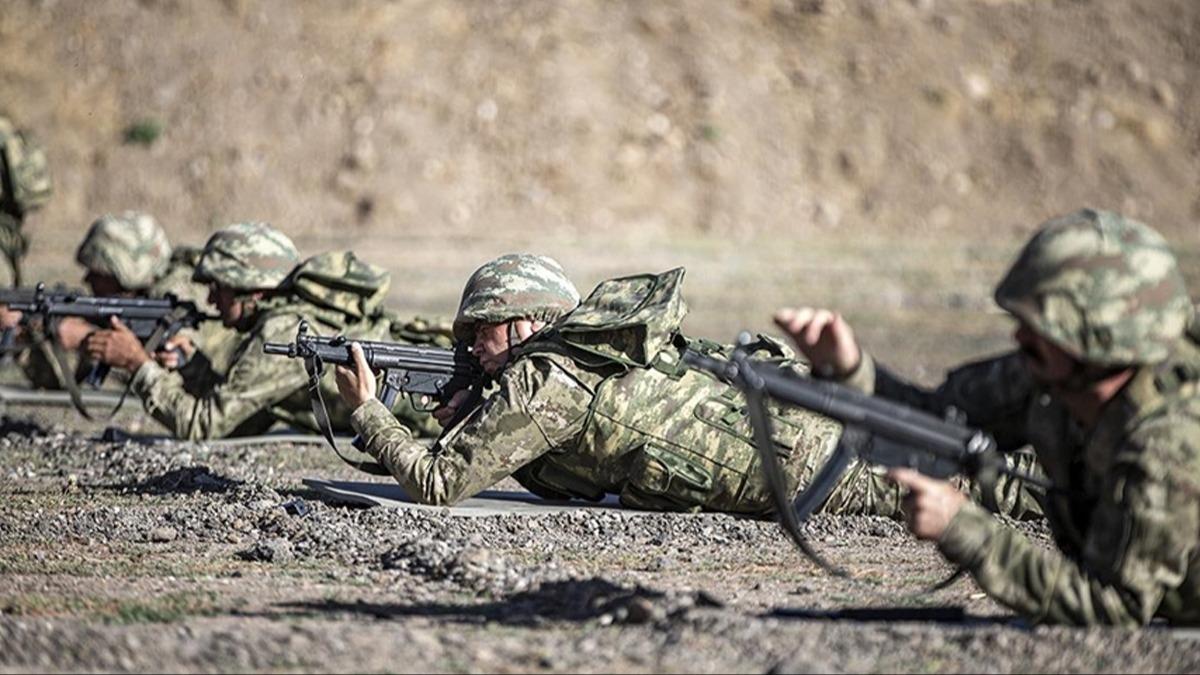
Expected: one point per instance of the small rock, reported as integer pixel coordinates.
(163, 534)
(274, 551)
(658, 124)
(1165, 94)
(487, 110)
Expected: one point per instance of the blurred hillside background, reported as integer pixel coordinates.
(885, 157)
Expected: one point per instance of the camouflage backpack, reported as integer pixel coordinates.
(25, 182)
(626, 321)
(341, 282)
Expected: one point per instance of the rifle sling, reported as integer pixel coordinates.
(314, 365)
(755, 392)
(67, 377)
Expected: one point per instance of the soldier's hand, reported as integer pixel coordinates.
(443, 414)
(930, 504)
(118, 347)
(356, 386)
(9, 318)
(72, 331)
(824, 338)
(175, 351)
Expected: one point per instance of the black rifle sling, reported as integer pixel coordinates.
(793, 513)
(315, 366)
(754, 390)
(66, 376)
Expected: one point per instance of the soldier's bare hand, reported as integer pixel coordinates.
(72, 331)
(118, 347)
(175, 351)
(443, 414)
(823, 337)
(9, 318)
(356, 386)
(930, 504)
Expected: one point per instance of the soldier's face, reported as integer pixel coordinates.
(1046, 361)
(491, 346)
(230, 304)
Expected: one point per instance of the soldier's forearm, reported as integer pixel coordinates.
(199, 416)
(426, 476)
(1041, 584)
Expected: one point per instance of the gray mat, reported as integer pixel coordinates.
(486, 503)
(17, 396)
(292, 436)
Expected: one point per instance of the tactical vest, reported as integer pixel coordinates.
(660, 434)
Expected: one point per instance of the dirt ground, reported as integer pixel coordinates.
(886, 158)
(183, 557)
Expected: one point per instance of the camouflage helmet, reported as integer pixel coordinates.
(247, 257)
(1104, 288)
(131, 248)
(514, 286)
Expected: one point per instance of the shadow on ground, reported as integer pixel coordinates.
(577, 600)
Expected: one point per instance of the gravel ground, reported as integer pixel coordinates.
(128, 556)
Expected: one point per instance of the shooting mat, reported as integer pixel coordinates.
(486, 503)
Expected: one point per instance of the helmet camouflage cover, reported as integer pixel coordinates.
(247, 257)
(130, 247)
(514, 286)
(1104, 288)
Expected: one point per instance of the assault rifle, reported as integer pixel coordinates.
(899, 436)
(419, 371)
(152, 320)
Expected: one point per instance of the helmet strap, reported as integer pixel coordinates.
(514, 339)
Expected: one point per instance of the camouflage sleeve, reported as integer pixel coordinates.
(1141, 536)
(254, 384)
(863, 377)
(537, 406)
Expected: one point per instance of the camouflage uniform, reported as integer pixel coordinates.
(1126, 511)
(25, 185)
(600, 402)
(259, 390)
(133, 249)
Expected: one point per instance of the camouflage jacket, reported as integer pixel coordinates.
(1126, 512)
(662, 438)
(259, 390)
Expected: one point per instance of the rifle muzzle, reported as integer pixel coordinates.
(280, 349)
